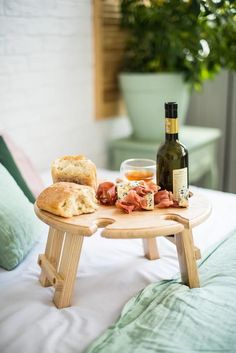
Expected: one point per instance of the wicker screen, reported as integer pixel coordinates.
(109, 46)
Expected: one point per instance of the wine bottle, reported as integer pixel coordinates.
(172, 158)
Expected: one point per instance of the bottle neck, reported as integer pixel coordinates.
(172, 137)
(171, 128)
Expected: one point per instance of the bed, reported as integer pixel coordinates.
(110, 273)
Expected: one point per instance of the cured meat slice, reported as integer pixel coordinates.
(134, 199)
(124, 206)
(132, 202)
(152, 187)
(106, 193)
(163, 199)
(146, 187)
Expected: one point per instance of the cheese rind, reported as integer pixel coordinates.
(150, 201)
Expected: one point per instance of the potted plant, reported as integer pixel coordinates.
(172, 47)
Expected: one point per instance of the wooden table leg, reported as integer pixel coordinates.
(197, 251)
(68, 269)
(187, 260)
(52, 252)
(151, 249)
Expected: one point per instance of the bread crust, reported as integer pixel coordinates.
(67, 199)
(75, 169)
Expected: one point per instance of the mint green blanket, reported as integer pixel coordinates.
(168, 317)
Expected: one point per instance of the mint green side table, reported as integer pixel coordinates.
(201, 143)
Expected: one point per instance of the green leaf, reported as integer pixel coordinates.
(165, 35)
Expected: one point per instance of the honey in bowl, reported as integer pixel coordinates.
(138, 169)
(135, 175)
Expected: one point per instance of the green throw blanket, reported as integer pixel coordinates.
(168, 317)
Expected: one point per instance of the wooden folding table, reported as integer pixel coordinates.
(60, 262)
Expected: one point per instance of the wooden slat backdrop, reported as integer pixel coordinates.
(109, 45)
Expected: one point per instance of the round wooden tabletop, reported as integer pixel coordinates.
(138, 224)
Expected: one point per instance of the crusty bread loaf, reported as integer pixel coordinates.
(74, 169)
(67, 199)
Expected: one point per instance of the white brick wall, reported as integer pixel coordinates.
(46, 80)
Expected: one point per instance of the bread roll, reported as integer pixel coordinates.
(67, 199)
(74, 169)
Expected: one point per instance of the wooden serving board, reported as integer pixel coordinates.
(139, 224)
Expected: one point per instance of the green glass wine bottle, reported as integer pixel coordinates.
(172, 158)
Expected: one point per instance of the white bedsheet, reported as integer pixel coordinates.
(110, 273)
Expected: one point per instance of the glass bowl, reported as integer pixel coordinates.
(138, 169)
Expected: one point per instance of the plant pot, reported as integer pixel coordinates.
(145, 95)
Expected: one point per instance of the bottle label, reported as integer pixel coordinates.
(172, 125)
(180, 184)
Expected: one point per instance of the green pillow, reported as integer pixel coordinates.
(7, 160)
(19, 227)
